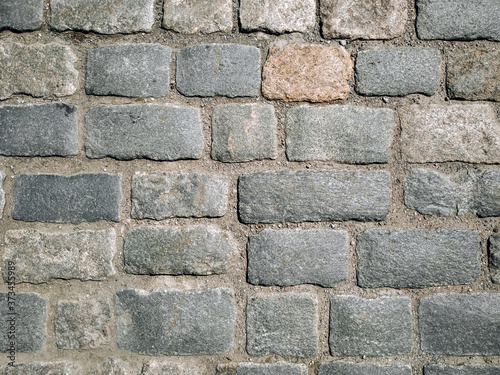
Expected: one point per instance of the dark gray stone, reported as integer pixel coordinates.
(440, 369)
(41, 368)
(344, 134)
(218, 69)
(314, 195)
(460, 324)
(285, 324)
(371, 327)
(398, 71)
(417, 258)
(67, 199)
(290, 257)
(279, 368)
(153, 131)
(351, 368)
(21, 15)
(486, 195)
(174, 322)
(494, 258)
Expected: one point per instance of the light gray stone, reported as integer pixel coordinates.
(41, 368)
(153, 131)
(278, 368)
(114, 366)
(2, 193)
(174, 322)
(290, 257)
(346, 134)
(371, 327)
(441, 369)
(163, 368)
(417, 258)
(351, 368)
(460, 324)
(21, 15)
(244, 132)
(494, 258)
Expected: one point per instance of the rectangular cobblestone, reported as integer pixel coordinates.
(279, 368)
(439, 369)
(21, 15)
(41, 368)
(494, 258)
(351, 368)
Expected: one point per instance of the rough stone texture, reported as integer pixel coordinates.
(193, 250)
(105, 17)
(82, 325)
(278, 16)
(134, 70)
(38, 130)
(2, 193)
(460, 324)
(174, 322)
(162, 368)
(30, 319)
(458, 19)
(67, 199)
(153, 131)
(283, 324)
(290, 257)
(37, 70)
(398, 71)
(417, 258)
(41, 368)
(474, 73)
(454, 132)
(371, 327)
(314, 195)
(21, 15)
(367, 19)
(172, 194)
(351, 368)
(244, 132)
(486, 197)
(218, 69)
(114, 366)
(440, 369)
(494, 258)
(307, 72)
(41, 257)
(279, 368)
(198, 16)
(347, 134)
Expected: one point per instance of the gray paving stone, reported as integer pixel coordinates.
(163, 368)
(191, 250)
(41, 368)
(458, 19)
(41, 257)
(2, 193)
(291, 257)
(314, 195)
(346, 134)
(398, 71)
(460, 324)
(105, 17)
(172, 194)
(38, 130)
(244, 132)
(174, 322)
(441, 369)
(114, 366)
(494, 258)
(284, 324)
(417, 258)
(486, 195)
(21, 15)
(67, 199)
(371, 327)
(152, 131)
(278, 368)
(218, 69)
(134, 70)
(351, 368)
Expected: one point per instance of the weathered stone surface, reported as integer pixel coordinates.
(28, 322)
(38, 130)
(494, 258)
(41, 368)
(486, 196)
(474, 73)
(278, 16)
(347, 134)
(441, 369)
(67, 199)
(41, 257)
(367, 19)
(290, 257)
(455, 132)
(163, 368)
(307, 72)
(284, 324)
(398, 71)
(37, 70)
(314, 195)
(351, 368)
(134, 70)
(115, 366)
(460, 324)
(244, 132)
(371, 327)
(279, 368)
(105, 17)
(2, 193)
(458, 19)
(172, 194)
(21, 15)
(198, 16)
(153, 131)
(193, 250)
(417, 258)
(218, 69)
(82, 325)
(176, 322)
